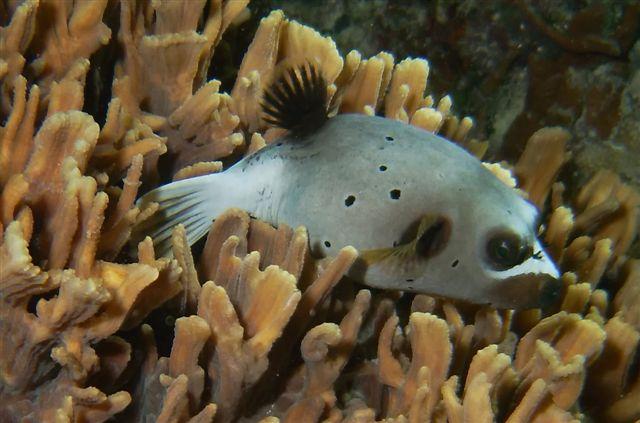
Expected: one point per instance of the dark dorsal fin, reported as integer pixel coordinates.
(297, 100)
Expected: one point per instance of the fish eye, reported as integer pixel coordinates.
(507, 250)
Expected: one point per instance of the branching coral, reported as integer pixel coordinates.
(259, 329)
(161, 79)
(83, 310)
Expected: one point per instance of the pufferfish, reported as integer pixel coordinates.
(425, 215)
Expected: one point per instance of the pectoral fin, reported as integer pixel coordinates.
(431, 237)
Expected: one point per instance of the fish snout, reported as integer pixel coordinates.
(527, 291)
(534, 283)
(552, 289)
(552, 292)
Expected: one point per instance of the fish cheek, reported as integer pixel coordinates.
(407, 259)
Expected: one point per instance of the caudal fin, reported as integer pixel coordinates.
(185, 202)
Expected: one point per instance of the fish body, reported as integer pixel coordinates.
(425, 214)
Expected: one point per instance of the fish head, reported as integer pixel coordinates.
(481, 247)
(508, 262)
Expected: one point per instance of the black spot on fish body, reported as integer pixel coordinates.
(395, 194)
(382, 168)
(349, 201)
(455, 263)
(327, 244)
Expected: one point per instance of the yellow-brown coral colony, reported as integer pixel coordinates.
(262, 331)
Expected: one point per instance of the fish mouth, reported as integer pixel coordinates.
(552, 294)
(528, 291)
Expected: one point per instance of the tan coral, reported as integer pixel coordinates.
(540, 163)
(408, 82)
(355, 85)
(558, 231)
(577, 295)
(431, 356)
(161, 61)
(123, 137)
(164, 64)
(557, 350)
(198, 169)
(82, 311)
(368, 85)
(170, 388)
(68, 201)
(207, 121)
(67, 93)
(609, 386)
(326, 349)
(123, 214)
(405, 100)
(609, 209)
(64, 135)
(79, 32)
(238, 362)
(492, 382)
(16, 136)
(186, 302)
(61, 150)
(263, 300)
(626, 300)
(16, 37)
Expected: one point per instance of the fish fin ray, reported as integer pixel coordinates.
(177, 205)
(297, 100)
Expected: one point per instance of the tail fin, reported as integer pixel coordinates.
(185, 202)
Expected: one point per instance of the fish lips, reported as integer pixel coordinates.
(527, 291)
